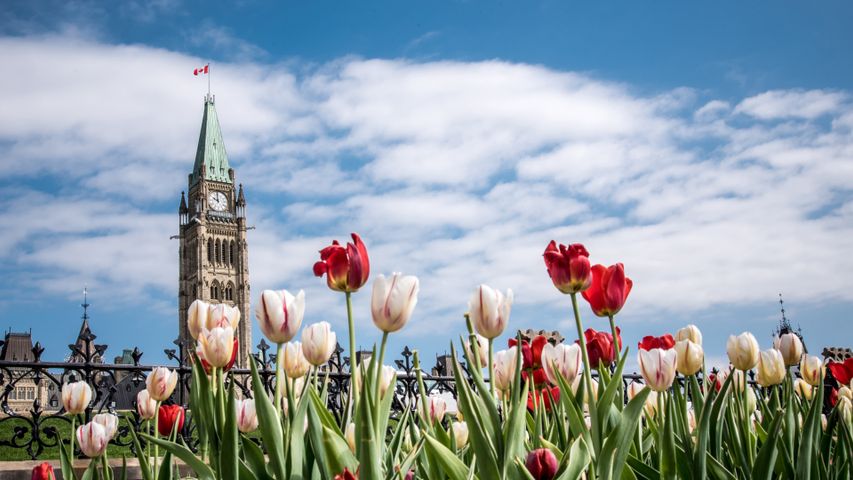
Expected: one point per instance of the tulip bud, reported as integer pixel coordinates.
(568, 267)
(280, 314)
(217, 345)
(197, 317)
(76, 397)
(460, 434)
(350, 436)
(295, 363)
(146, 406)
(691, 420)
(170, 417)
(436, 408)
(318, 343)
(109, 422)
(658, 367)
(92, 438)
(346, 269)
(751, 400)
(608, 290)
(845, 409)
(504, 366)
(44, 471)
(387, 379)
(791, 348)
(563, 359)
(771, 368)
(393, 301)
(742, 351)
(542, 464)
(811, 369)
(482, 349)
(247, 417)
(690, 357)
(489, 311)
(161, 383)
(586, 394)
(803, 389)
(690, 332)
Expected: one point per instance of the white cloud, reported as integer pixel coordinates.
(780, 104)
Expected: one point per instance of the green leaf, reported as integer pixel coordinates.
(450, 463)
(763, 467)
(185, 455)
(643, 469)
(123, 467)
(513, 430)
(270, 425)
(166, 468)
(667, 446)
(144, 468)
(255, 459)
(365, 433)
(91, 470)
(481, 442)
(338, 454)
(615, 450)
(811, 429)
(717, 469)
(66, 465)
(578, 459)
(229, 455)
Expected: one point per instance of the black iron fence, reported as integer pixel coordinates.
(30, 391)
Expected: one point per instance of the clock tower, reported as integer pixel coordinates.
(213, 256)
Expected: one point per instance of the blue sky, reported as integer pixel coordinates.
(707, 147)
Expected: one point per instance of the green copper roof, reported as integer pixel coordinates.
(211, 148)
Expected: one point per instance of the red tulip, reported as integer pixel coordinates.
(347, 475)
(664, 342)
(346, 269)
(599, 346)
(535, 397)
(531, 353)
(168, 416)
(842, 372)
(43, 472)
(609, 289)
(833, 397)
(568, 267)
(208, 368)
(542, 464)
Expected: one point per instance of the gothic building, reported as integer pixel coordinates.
(213, 255)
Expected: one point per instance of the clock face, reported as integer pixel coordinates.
(217, 201)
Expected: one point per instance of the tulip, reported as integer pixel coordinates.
(280, 314)
(318, 343)
(599, 347)
(346, 269)
(505, 365)
(742, 351)
(845, 409)
(294, 362)
(76, 397)
(170, 417)
(649, 342)
(658, 367)
(811, 369)
(842, 372)
(690, 332)
(199, 352)
(608, 291)
(350, 436)
(146, 406)
(593, 388)
(690, 357)
(197, 317)
(43, 472)
(771, 368)
(346, 475)
(791, 348)
(568, 267)
(489, 311)
(247, 417)
(436, 408)
(823, 421)
(845, 392)
(544, 396)
(221, 315)
(803, 389)
(650, 405)
(110, 423)
(482, 358)
(387, 379)
(751, 400)
(542, 464)
(563, 359)
(217, 345)
(93, 439)
(161, 383)
(460, 434)
(393, 301)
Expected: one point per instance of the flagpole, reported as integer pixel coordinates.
(208, 79)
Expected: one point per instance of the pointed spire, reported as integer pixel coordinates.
(211, 161)
(85, 331)
(183, 208)
(241, 199)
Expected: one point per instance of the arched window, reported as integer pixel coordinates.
(226, 253)
(229, 292)
(233, 253)
(209, 250)
(218, 252)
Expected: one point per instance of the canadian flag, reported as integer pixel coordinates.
(201, 71)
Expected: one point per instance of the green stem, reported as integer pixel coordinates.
(279, 367)
(352, 360)
(491, 365)
(379, 366)
(587, 376)
(73, 433)
(157, 435)
(617, 349)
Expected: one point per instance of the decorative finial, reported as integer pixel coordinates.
(782, 303)
(85, 303)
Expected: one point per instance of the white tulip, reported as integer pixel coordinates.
(690, 357)
(161, 383)
(791, 348)
(771, 368)
(565, 359)
(812, 369)
(76, 397)
(393, 301)
(742, 351)
(658, 367)
(109, 422)
(504, 366)
(280, 314)
(197, 317)
(145, 405)
(690, 332)
(247, 416)
(489, 311)
(350, 436)
(318, 343)
(217, 345)
(460, 434)
(93, 439)
(482, 349)
(294, 362)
